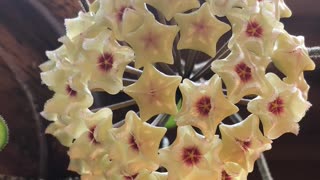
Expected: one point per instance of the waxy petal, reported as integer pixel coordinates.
(243, 73)
(135, 145)
(291, 57)
(105, 61)
(281, 111)
(200, 30)
(242, 143)
(121, 16)
(87, 154)
(149, 43)
(154, 93)
(256, 32)
(186, 157)
(204, 105)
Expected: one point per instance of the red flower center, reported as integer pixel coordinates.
(105, 62)
(203, 106)
(254, 29)
(244, 72)
(245, 145)
(225, 176)
(200, 27)
(130, 177)
(70, 91)
(191, 155)
(121, 11)
(133, 144)
(91, 135)
(276, 107)
(150, 40)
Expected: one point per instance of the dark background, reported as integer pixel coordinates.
(29, 27)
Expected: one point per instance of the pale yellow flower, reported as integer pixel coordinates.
(257, 32)
(243, 73)
(188, 156)
(134, 146)
(242, 143)
(149, 43)
(154, 93)
(104, 60)
(88, 156)
(280, 111)
(200, 30)
(291, 57)
(204, 105)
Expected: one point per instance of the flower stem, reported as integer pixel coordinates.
(128, 81)
(84, 5)
(132, 70)
(207, 66)
(261, 162)
(119, 105)
(314, 52)
(263, 168)
(190, 63)
(165, 68)
(177, 55)
(160, 120)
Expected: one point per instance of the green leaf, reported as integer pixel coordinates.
(171, 123)
(4, 133)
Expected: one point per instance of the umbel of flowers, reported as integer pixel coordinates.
(158, 42)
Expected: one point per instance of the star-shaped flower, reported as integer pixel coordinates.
(122, 16)
(200, 30)
(134, 146)
(169, 8)
(186, 157)
(87, 154)
(79, 24)
(243, 73)
(204, 105)
(67, 127)
(154, 93)
(242, 143)
(72, 92)
(105, 61)
(291, 57)
(152, 42)
(257, 32)
(281, 111)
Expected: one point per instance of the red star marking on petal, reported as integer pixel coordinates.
(191, 155)
(225, 176)
(254, 29)
(130, 177)
(91, 135)
(133, 144)
(244, 72)
(245, 145)
(203, 106)
(121, 11)
(276, 107)
(70, 91)
(150, 40)
(105, 62)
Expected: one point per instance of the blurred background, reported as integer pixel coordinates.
(30, 27)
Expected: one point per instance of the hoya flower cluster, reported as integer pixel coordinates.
(156, 42)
